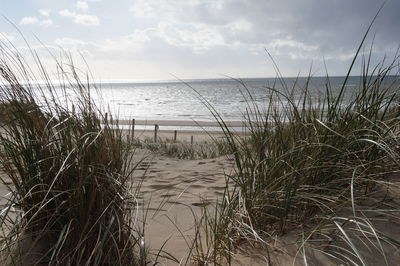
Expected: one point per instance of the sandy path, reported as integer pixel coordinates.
(173, 191)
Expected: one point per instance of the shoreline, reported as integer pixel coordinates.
(185, 130)
(167, 122)
(198, 136)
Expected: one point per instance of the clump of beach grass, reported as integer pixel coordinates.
(183, 149)
(67, 168)
(308, 165)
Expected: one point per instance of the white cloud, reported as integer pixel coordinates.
(278, 43)
(82, 19)
(240, 25)
(77, 47)
(81, 5)
(69, 42)
(46, 22)
(35, 20)
(44, 12)
(199, 39)
(28, 20)
(169, 9)
(133, 42)
(142, 10)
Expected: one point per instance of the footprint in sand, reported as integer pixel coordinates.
(197, 186)
(201, 204)
(155, 171)
(208, 180)
(160, 186)
(167, 195)
(216, 188)
(174, 202)
(163, 181)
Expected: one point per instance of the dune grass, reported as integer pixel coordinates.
(70, 199)
(184, 149)
(308, 165)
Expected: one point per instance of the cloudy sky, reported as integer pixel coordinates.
(160, 39)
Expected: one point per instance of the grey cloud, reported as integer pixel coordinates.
(336, 27)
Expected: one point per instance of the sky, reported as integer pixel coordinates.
(187, 39)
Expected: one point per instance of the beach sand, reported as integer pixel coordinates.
(184, 130)
(173, 191)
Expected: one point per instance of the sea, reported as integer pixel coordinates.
(199, 99)
(191, 99)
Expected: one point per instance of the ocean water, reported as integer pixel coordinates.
(178, 100)
(184, 100)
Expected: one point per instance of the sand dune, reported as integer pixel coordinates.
(172, 193)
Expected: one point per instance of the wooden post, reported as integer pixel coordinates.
(133, 129)
(191, 140)
(155, 132)
(175, 134)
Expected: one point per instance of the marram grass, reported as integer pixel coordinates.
(68, 171)
(183, 149)
(308, 166)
